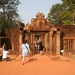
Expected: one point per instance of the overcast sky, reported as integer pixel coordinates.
(29, 8)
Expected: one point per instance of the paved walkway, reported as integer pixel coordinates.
(38, 65)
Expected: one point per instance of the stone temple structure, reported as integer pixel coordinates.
(56, 38)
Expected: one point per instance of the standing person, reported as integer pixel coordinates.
(41, 46)
(25, 51)
(5, 52)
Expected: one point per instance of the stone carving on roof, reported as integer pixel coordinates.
(20, 25)
(39, 22)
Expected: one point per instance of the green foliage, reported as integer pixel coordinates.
(3, 23)
(8, 9)
(67, 22)
(62, 13)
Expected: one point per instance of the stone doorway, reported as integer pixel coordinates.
(40, 29)
(37, 37)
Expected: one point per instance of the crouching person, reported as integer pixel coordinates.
(5, 53)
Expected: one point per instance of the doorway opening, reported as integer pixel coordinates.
(36, 43)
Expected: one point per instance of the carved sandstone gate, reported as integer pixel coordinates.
(37, 36)
(49, 34)
(51, 40)
(41, 29)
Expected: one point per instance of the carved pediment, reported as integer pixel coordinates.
(39, 23)
(40, 16)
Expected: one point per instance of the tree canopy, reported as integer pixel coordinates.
(8, 13)
(62, 13)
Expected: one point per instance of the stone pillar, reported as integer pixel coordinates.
(31, 43)
(51, 33)
(0, 42)
(74, 44)
(20, 40)
(12, 39)
(46, 41)
(58, 42)
(31, 40)
(0, 38)
(26, 36)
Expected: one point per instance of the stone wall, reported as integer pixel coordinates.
(68, 34)
(68, 30)
(13, 35)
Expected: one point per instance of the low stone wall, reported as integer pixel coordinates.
(69, 53)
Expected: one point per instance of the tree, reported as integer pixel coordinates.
(3, 25)
(8, 14)
(8, 10)
(62, 13)
(54, 16)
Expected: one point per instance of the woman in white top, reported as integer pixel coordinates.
(25, 50)
(5, 52)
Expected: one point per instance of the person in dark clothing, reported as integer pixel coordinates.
(41, 46)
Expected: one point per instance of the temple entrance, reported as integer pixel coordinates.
(36, 43)
(40, 29)
(37, 38)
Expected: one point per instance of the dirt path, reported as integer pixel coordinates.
(42, 66)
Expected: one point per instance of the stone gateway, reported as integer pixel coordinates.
(54, 37)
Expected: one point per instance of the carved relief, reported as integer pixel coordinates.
(39, 23)
(21, 25)
(27, 27)
(47, 22)
(54, 28)
(40, 16)
(33, 21)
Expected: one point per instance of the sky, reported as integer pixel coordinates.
(29, 8)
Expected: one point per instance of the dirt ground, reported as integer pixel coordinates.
(38, 65)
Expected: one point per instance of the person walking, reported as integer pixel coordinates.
(41, 46)
(25, 51)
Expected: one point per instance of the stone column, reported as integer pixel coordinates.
(51, 33)
(74, 44)
(20, 40)
(31, 43)
(31, 40)
(58, 42)
(26, 36)
(46, 41)
(0, 38)
(0, 42)
(12, 39)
